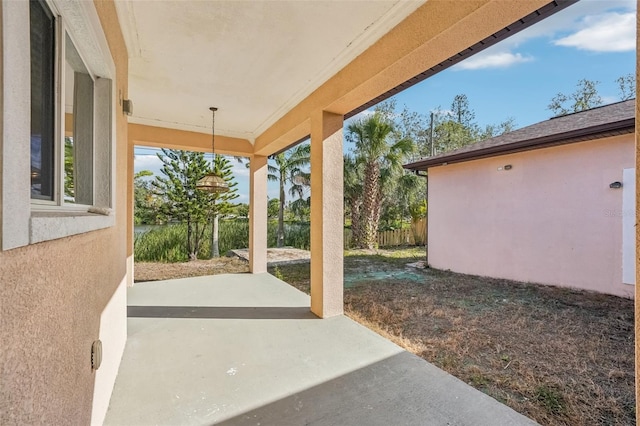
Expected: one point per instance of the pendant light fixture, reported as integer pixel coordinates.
(212, 182)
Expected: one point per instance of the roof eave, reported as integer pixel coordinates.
(578, 135)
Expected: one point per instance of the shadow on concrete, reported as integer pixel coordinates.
(399, 390)
(221, 312)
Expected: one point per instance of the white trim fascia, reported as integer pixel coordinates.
(47, 226)
(83, 23)
(16, 129)
(190, 128)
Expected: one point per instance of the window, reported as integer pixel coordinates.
(57, 150)
(62, 162)
(42, 101)
(78, 126)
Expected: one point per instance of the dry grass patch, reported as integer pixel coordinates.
(559, 356)
(155, 271)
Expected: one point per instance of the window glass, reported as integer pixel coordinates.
(78, 141)
(42, 101)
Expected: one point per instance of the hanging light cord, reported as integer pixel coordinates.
(213, 136)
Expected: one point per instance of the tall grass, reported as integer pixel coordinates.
(168, 243)
(162, 244)
(296, 235)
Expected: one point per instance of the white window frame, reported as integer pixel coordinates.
(58, 203)
(23, 220)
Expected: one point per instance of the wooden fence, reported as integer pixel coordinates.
(416, 235)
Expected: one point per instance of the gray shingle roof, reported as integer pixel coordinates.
(608, 120)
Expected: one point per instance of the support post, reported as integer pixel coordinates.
(327, 214)
(130, 211)
(258, 214)
(637, 287)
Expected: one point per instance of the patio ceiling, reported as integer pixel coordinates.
(254, 60)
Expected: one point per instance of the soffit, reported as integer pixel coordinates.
(254, 60)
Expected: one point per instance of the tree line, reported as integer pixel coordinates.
(376, 187)
(586, 96)
(378, 192)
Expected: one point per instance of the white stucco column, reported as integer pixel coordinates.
(327, 230)
(258, 214)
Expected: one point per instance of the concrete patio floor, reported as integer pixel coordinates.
(245, 350)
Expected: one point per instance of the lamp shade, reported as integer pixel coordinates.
(212, 183)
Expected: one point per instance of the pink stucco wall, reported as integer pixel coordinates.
(551, 219)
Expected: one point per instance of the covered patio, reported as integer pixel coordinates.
(245, 349)
(249, 349)
(238, 349)
(277, 85)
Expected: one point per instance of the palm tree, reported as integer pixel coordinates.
(353, 195)
(409, 187)
(289, 169)
(380, 157)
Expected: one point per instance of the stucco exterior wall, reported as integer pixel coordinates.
(57, 297)
(551, 219)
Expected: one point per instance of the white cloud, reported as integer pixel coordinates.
(597, 25)
(569, 20)
(147, 162)
(608, 32)
(489, 59)
(239, 169)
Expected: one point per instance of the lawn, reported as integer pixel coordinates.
(558, 356)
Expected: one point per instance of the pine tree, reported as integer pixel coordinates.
(147, 205)
(183, 202)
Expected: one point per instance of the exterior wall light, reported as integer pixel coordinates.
(127, 106)
(615, 185)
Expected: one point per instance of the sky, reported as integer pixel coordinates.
(516, 78)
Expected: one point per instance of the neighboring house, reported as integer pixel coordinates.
(551, 203)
